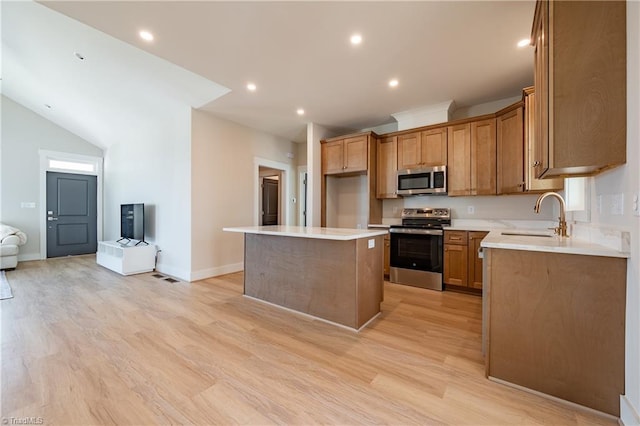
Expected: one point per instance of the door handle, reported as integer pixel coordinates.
(52, 218)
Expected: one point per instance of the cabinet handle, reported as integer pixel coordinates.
(536, 163)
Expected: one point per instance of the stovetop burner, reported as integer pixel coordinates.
(426, 217)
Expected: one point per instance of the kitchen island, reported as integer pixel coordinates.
(334, 274)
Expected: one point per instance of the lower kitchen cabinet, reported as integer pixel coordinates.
(462, 266)
(387, 255)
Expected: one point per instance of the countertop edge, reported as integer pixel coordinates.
(496, 240)
(323, 233)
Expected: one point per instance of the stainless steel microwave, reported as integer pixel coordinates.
(428, 180)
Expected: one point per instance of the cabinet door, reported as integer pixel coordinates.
(510, 136)
(355, 154)
(459, 160)
(387, 167)
(475, 263)
(541, 85)
(332, 157)
(409, 151)
(483, 157)
(387, 255)
(434, 147)
(455, 265)
(533, 184)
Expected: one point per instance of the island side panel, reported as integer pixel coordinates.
(313, 276)
(556, 325)
(370, 278)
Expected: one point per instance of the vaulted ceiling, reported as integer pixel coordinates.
(298, 54)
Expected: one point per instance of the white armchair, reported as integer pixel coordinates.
(10, 239)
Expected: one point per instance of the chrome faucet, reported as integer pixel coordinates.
(562, 225)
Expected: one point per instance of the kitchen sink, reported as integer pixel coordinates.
(527, 234)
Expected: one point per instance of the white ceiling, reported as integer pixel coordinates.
(298, 53)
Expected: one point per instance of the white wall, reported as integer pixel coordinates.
(512, 207)
(486, 108)
(24, 133)
(223, 173)
(315, 134)
(152, 165)
(626, 180)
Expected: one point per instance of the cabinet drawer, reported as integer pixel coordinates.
(455, 237)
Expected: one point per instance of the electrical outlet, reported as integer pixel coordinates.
(471, 210)
(617, 204)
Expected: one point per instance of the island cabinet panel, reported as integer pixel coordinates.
(387, 167)
(580, 85)
(338, 281)
(475, 261)
(557, 324)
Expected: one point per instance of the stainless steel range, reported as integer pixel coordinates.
(417, 247)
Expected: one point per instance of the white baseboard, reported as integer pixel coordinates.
(628, 413)
(25, 257)
(214, 272)
(174, 272)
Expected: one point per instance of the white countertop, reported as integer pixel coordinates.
(552, 244)
(342, 234)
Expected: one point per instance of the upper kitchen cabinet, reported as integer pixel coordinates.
(471, 151)
(422, 149)
(531, 182)
(345, 155)
(387, 167)
(580, 87)
(348, 184)
(510, 149)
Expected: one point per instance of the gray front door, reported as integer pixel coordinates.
(72, 224)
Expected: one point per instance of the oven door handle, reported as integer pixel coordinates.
(415, 231)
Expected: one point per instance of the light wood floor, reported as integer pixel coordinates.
(83, 345)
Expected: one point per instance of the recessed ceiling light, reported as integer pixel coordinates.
(251, 87)
(393, 83)
(356, 39)
(300, 111)
(524, 42)
(47, 106)
(146, 35)
(79, 55)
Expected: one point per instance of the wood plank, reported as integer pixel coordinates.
(265, 365)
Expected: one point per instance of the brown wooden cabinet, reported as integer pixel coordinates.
(462, 266)
(387, 167)
(348, 155)
(425, 148)
(349, 162)
(472, 158)
(387, 255)
(510, 150)
(580, 85)
(531, 182)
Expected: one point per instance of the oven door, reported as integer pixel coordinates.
(413, 248)
(416, 257)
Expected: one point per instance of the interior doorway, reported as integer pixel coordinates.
(270, 196)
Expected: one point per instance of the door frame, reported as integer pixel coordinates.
(45, 156)
(302, 202)
(285, 172)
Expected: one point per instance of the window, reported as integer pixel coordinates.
(72, 165)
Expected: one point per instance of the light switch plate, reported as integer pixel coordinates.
(636, 204)
(617, 204)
